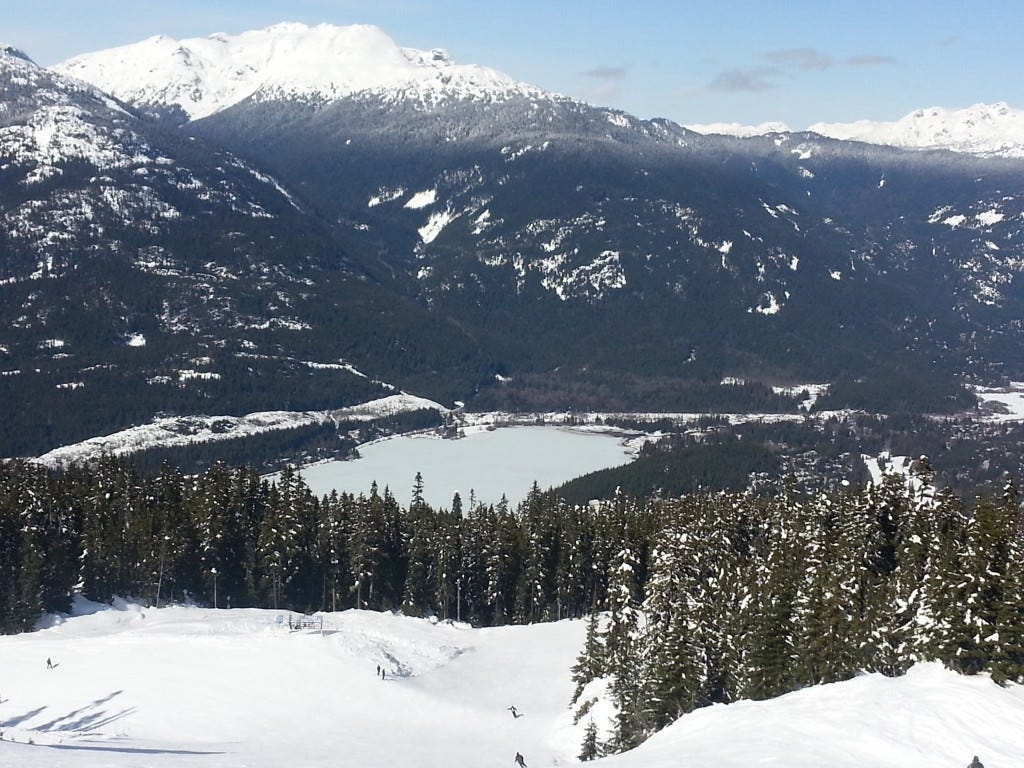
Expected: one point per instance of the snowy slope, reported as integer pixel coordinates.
(285, 61)
(197, 687)
(983, 129)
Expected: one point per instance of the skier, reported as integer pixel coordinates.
(975, 763)
(520, 761)
(378, 670)
(515, 714)
(49, 664)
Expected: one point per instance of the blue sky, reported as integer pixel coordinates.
(694, 62)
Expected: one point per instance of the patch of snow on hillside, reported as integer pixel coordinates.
(769, 305)
(186, 430)
(814, 391)
(482, 222)
(135, 340)
(1002, 403)
(588, 280)
(276, 185)
(885, 464)
(617, 119)
(988, 218)
(175, 431)
(385, 195)
(386, 406)
(437, 222)
(511, 154)
(422, 199)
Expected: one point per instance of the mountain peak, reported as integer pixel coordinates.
(287, 61)
(17, 53)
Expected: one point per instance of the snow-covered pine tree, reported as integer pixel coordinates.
(590, 749)
(368, 531)
(625, 654)
(1006, 663)
(830, 622)
(673, 613)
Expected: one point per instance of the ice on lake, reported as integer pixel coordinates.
(490, 463)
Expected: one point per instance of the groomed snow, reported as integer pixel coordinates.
(189, 687)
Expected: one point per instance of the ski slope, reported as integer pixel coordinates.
(190, 687)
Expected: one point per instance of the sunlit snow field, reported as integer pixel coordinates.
(191, 687)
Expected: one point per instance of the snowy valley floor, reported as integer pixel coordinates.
(191, 687)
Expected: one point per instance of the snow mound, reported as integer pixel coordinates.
(929, 717)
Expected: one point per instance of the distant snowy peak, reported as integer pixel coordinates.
(286, 61)
(989, 130)
(738, 129)
(984, 129)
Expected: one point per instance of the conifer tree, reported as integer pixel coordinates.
(591, 662)
(590, 749)
(624, 653)
(1006, 662)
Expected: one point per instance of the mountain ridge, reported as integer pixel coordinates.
(323, 63)
(987, 130)
(315, 64)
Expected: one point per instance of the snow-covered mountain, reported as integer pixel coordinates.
(290, 61)
(995, 130)
(193, 687)
(140, 266)
(738, 129)
(552, 243)
(988, 130)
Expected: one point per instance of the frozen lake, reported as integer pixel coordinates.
(502, 461)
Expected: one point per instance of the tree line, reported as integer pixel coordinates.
(228, 538)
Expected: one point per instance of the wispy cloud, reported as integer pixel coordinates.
(749, 79)
(607, 73)
(800, 58)
(870, 60)
(949, 42)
